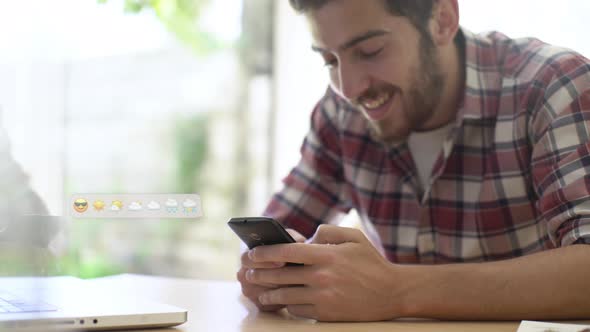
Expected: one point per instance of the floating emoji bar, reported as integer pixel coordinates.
(141, 206)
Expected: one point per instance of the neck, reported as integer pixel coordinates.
(452, 63)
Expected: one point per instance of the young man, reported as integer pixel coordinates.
(468, 154)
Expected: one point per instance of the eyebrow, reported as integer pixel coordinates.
(355, 40)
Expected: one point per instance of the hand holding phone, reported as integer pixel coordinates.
(259, 231)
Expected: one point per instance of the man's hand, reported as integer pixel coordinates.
(252, 290)
(344, 278)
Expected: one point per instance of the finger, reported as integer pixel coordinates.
(302, 310)
(248, 263)
(269, 308)
(301, 253)
(241, 276)
(288, 296)
(296, 235)
(331, 234)
(294, 275)
(253, 292)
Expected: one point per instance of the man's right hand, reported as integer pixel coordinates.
(253, 290)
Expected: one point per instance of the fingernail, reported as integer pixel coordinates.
(263, 299)
(249, 274)
(251, 254)
(278, 264)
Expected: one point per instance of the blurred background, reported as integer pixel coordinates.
(180, 96)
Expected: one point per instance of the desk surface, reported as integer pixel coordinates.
(219, 306)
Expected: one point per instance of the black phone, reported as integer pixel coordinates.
(260, 231)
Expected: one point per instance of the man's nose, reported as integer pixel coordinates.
(353, 82)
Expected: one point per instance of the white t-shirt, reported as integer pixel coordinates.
(425, 148)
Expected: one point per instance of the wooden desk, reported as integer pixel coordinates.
(219, 306)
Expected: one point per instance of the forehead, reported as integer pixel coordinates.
(339, 20)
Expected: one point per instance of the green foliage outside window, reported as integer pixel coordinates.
(181, 17)
(190, 141)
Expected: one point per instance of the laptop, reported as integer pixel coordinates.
(64, 303)
(67, 303)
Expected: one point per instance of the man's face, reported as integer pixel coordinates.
(380, 63)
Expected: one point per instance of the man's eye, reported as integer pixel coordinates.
(369, 55)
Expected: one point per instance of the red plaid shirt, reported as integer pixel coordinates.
(513, 176)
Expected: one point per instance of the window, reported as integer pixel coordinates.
(96, 100)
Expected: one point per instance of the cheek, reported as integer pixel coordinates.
(335, 85)
(335, 81)
(391, 69)
(388, 75)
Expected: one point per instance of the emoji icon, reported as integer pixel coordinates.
(153, 206)
(134, 206)
(171, 205)
(80, 205)
(189, 206)
(116, 206)
(98, 205)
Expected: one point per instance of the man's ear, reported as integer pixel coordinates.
(445, 21)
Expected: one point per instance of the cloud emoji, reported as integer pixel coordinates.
(189, 203)
(171, 203)
(134, 206)
(153, 205)
(116, 206)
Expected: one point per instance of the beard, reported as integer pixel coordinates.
(421, 99)
(426, 92)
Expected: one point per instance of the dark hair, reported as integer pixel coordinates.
(417, 11)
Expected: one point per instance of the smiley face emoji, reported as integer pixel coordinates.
(80, 205)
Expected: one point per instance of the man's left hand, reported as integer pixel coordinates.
(344, 278)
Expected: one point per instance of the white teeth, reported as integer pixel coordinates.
(377, 102)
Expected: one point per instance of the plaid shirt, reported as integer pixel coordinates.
(512, 177)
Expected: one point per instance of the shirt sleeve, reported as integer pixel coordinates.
(561, 151)
(313, 192)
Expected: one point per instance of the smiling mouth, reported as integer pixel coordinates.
(377, 106)
(378, 101)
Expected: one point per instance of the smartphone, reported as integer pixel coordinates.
(260, 231)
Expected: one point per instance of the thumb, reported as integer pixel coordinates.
(296, 235)
(331, 234)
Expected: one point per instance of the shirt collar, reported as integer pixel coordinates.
(483, 80)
